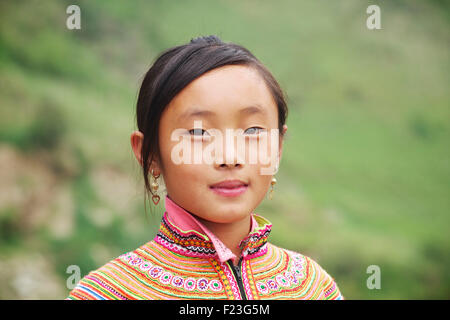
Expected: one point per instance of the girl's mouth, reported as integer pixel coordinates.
(229, 188)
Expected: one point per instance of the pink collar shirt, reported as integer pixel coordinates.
(186, 222)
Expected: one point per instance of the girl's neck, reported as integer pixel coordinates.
(231, 234)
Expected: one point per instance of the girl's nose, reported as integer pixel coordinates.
(224, 165)
(232, 161)
(233, 157)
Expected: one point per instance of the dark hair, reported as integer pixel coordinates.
(174, 69)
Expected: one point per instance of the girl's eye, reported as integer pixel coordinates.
(254, 130)
(198, 132)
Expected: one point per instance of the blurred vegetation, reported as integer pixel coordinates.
(365, 172)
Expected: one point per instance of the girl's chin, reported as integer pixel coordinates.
(227, 213)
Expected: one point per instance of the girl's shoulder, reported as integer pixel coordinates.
(307, 269)
(107, 282)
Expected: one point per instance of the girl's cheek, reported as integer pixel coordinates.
(252, 152)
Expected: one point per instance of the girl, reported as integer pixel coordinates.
(210, 245)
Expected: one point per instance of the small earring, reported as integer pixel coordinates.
(272, 184)
(155, 186)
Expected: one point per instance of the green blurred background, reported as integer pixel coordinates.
(365, 174)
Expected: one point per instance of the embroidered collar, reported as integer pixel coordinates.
(182, 233)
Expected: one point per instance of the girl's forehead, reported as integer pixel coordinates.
(225, 90)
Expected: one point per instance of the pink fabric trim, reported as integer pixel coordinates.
(186, 222)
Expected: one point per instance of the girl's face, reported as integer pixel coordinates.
(230, 97)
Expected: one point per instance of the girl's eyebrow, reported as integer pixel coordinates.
(196, 113)
(253, 109)
(207, 113)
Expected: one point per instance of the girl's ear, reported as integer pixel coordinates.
(137, 139)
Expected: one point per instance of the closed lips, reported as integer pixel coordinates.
(229, 184)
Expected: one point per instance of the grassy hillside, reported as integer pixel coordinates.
(365, 174)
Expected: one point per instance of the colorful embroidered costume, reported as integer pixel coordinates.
(186, 261)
